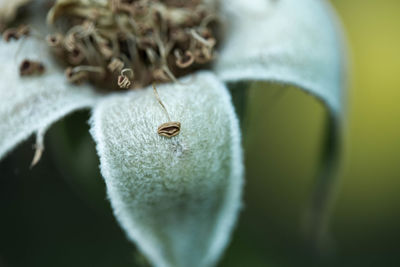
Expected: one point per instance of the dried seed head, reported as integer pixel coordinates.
(158, 40)
(30, 67)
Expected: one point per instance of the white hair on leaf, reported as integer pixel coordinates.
(177, 198)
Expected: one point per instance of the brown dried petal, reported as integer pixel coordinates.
(203, 55)
(23, 30)
(145, 42)
(76, 77)
(70, 41)
(10, 34)
(184, 61)
(106, 51)
(169, 129)
(179, 35)
(116, 64)
(54, 40)
(76, 56)
(160, 75)
(30, 67)
(124, 82)
(16, 33)
(140, 9)
(211, 42)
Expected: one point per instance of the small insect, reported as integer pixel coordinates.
(168, 129)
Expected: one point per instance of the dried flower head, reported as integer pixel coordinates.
(158, 40)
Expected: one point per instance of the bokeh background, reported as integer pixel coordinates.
(57, 214)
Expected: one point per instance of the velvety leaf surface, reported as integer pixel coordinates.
(32, 103)
(285, 41)
(176, 198)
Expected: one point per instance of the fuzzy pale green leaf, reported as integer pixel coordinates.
(297, 43)
(177, 198)
(285, 41)
(32, 104)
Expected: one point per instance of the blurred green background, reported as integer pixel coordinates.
(57, 214)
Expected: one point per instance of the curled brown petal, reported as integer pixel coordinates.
(203, 55)
(76, 56)
(10, 34)
(30, 67)
(76, 77)
(54, 40)
(16, 33)
(124, 82)
(169, 129)
(116, 64)
(160, 75)
(184, 61)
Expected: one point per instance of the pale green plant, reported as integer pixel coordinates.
(178, 199)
